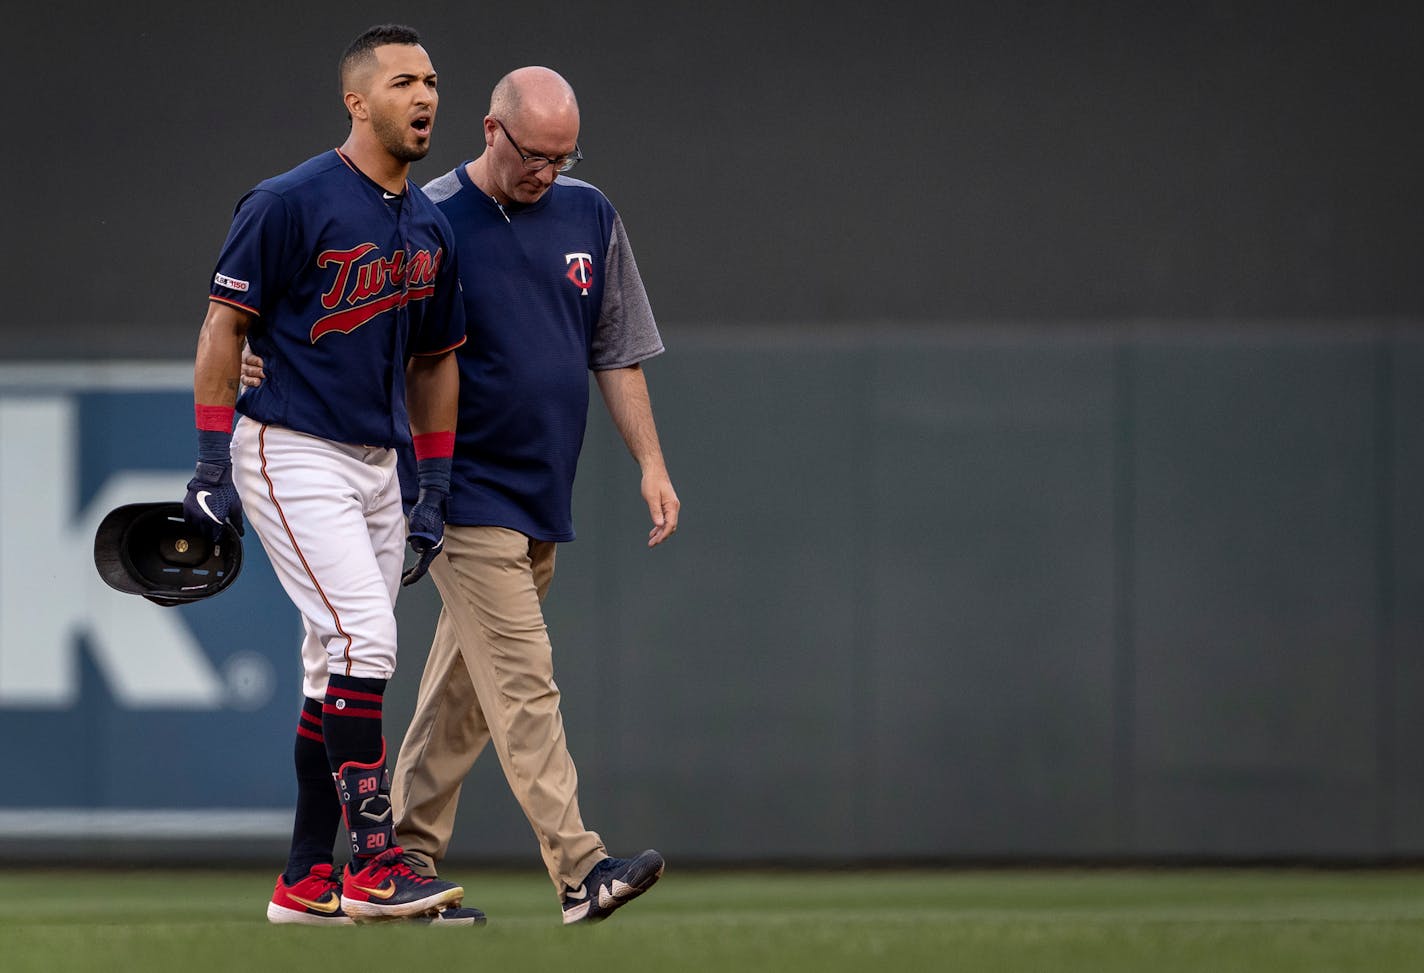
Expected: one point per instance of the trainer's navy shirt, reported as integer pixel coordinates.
(551, 291)
(347, 281)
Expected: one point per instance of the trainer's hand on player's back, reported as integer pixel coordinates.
(252, 373)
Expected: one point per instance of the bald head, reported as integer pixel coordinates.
(534, 94)
(531, 134)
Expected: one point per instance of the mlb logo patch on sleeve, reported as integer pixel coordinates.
(231, 283)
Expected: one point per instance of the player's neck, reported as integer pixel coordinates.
(379, 166)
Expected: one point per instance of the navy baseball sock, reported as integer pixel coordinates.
(356, 749)
(351, 721)
(318, 807)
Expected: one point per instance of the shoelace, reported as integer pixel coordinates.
(323, 885)
(390, 861)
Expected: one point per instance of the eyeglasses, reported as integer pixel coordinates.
(536, 163)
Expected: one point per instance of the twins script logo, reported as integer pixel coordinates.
(356, 285)
(580, 270)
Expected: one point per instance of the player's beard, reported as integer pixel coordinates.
(396, 138)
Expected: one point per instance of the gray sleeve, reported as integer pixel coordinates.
(626, 332)
(443, 187)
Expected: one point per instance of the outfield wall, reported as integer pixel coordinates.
(1127, 592)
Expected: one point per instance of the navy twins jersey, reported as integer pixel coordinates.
(551, 291)
(346, 282)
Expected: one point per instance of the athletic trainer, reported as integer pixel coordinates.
(557, 294)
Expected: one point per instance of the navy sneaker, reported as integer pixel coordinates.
(386, 888)
(424, 866)
(611, 883)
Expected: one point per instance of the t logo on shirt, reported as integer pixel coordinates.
(580, 271)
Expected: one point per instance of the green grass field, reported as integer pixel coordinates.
(1063, 921)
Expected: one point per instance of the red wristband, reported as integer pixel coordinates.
(213, 418)
(434, 445)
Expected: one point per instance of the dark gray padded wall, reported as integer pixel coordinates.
(991, 585)
(798, 162)
(1400, 672)
(1003, 594)
(743, 714)
(1256, 482)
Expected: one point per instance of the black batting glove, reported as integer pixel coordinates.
(427, 532)
(426, 524)
(212, 499)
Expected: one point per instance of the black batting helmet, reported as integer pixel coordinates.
(149, 549)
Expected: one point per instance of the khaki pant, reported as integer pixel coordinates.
(490, 677)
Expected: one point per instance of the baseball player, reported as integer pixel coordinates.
(342, 276)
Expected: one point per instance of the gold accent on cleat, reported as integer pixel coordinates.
(385, 892)
(330, 905)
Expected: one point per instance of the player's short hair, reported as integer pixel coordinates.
(361, 52)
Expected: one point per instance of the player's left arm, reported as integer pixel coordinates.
(432, 393)
(625, 393)
(432, 390)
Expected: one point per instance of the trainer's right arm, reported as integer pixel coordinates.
(625, 393)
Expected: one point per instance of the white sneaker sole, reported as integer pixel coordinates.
(362, 911)
(281, 915)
